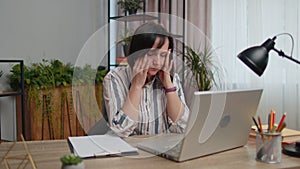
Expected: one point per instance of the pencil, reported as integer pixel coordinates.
(256, 124)
(269, 122)
(274, 118)
(260, 124)
(272, 114)
(282, 127)
(281, 122)
(260, 128)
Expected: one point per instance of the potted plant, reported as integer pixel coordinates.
(201, 66)
(125, 39)
(49, 98)
(71, 161)
(130, 5)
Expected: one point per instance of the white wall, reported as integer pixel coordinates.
(238, 24)
(33, 30)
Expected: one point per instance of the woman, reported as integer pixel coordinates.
(144, 98)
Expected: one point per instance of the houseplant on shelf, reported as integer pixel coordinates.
(71, 161)
(130, 5)
(123, 43)
(125, 39)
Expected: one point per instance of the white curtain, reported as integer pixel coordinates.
(238, 24)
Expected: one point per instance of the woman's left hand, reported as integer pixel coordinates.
(164, 73)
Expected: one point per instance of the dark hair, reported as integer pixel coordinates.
(143, 40)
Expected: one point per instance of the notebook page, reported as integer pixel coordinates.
(112, 144)
(84, 147)
(99, 145)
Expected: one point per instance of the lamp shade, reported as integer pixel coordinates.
(256, 58)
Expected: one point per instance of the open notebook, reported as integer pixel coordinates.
(100, 145)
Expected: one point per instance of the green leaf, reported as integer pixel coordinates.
(201, 65)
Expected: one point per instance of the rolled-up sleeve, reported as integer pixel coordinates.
(180, 125)
(115, 92)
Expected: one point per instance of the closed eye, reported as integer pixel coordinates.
(164, 54)
(151, 52)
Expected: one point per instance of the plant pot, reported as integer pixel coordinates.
(125, 49)
(72, 112)
(132, 11)
(78, 166)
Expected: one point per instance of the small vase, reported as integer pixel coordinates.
(125, 49)
(78, 166)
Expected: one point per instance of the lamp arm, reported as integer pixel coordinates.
(281, 53)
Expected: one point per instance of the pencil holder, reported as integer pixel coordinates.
(268, 147)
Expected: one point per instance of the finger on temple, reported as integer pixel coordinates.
(145, 62)
(139, 62)
(171, 64)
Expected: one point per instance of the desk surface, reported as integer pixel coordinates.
(46, 155)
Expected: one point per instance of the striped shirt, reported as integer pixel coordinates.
(153, 118)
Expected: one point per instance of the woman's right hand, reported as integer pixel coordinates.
(140, 70)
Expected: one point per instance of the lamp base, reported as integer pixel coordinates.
(292, 150)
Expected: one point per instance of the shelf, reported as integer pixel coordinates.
(132, 18)
(142, 16)
(20, 112)
(176, 36)
(4, 94)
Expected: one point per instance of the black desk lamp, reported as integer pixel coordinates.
(256, 58)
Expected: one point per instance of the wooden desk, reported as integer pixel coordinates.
(46, 155)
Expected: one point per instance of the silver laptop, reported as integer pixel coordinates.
(218, 121)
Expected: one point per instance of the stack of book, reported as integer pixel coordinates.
(121, 60)
(289, 136)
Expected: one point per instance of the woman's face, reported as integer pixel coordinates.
(156, 57)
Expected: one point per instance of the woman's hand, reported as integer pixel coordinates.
(140, 70)
(164, 73)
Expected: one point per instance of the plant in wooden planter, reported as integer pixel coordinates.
(87, 90)
(50, 111)
(41, 81)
